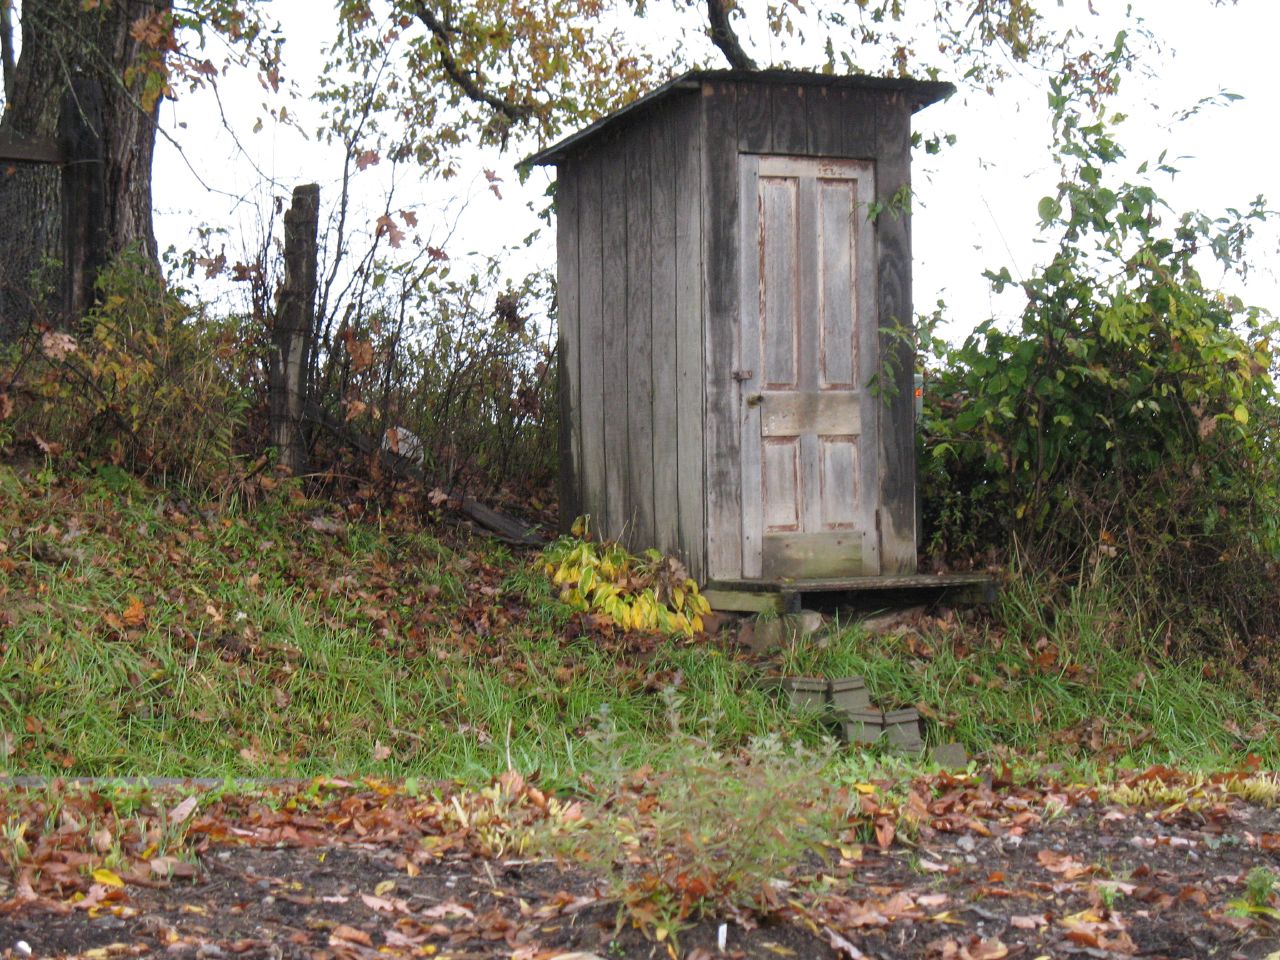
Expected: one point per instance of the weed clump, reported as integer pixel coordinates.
(650, 592)
(711, 834)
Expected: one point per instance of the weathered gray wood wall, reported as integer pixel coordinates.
(630, 315)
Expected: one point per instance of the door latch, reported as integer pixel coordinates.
(741, 375)
(755, 400)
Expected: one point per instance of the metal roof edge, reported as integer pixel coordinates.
(925, 92)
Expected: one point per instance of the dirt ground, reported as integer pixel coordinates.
(985, 871)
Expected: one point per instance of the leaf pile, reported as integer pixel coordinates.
(939, 866)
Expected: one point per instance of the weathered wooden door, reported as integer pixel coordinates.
(807, 354)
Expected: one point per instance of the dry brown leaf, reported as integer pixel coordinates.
(182, 811)
(135, 613)
(1028, 921)
(343, 934)
(989, 949)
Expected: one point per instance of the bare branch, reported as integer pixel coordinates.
(722, 36)
(7, 59)
(469, 84)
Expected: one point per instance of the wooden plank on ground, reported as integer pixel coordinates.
(743, 601)
(918, 581)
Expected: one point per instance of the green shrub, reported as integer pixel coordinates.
(1129, 417)
(145, 382)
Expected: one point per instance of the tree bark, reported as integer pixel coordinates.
(292, 333)
(8, 63)
(69, 83)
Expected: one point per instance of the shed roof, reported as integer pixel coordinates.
(921, 93)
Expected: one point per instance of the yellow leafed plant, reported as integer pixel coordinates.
(646, 592)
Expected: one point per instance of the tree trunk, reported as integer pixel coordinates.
(69, 83)
(292, 334)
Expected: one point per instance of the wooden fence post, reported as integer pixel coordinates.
(291, 335)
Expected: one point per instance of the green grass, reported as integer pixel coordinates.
(271, 647)
(1081, 684)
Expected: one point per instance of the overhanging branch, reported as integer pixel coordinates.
(471, 85)
(722, 36)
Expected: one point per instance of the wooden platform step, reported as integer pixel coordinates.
(785, 596)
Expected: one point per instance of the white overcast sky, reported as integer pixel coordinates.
(974, 203)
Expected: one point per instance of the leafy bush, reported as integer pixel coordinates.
(651, 592)
(146, 382)
(1129, 419)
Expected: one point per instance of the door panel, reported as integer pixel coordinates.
(780, 309)
(781, 484)
(806, 355)
(838, 254)
(840, 491)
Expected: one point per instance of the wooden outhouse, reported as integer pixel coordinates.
(734, 285)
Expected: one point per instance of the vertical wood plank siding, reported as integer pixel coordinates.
(690, 336)
(720, 284)
(637, 333)
(897, 422)
(666, 409)
(591, 335)
(790, 120)
(641, 352)
(613, 196)
(569, 345)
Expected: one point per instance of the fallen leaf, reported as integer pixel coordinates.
(383, 905)
(172, 867)
(1062, 863)
(343, 934)
(182, 811)
(1028, 921)
(108, 879)
(989, 949)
